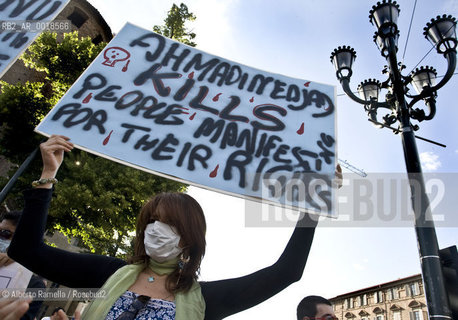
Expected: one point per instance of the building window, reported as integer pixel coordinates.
(378, 297)
(396, 315)
(346, 304)
(392, 294)
(379, 317)
(416, 315)
(78, 17)
(364, 300)
(412, 289)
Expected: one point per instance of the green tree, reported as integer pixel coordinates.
(174, 25)
(23, 106)
(62, 61)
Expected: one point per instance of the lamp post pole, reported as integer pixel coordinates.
(428, 248)
(442, 33)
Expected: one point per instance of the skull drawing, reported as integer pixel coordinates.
(113, 55)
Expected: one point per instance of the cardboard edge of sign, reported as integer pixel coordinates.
(233, 194)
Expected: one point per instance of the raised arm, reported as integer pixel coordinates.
(27, 247)
(226, 297)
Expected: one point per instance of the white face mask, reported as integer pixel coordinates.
(161, 241)
(4, 244)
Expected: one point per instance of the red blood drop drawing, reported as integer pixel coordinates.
(301, 129)
(252, 99)
(307, 84)
(192, 117)
(216, 98)
(124, 69)
(214, 173)
(88, 98)
(107, 139)
(191, 75)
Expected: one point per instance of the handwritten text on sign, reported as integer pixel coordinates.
(170, 109)
(16, 18)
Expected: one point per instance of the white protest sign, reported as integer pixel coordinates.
(22, 21)
(164, 107)
(14, 275)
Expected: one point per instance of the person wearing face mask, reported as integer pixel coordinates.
(160, 280)
(8, 224)
(7, 228)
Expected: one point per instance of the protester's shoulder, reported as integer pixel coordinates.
(114, 264)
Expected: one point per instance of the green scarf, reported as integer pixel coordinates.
(189, 305)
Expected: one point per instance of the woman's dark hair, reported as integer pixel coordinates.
(185, 214)
(307, 307)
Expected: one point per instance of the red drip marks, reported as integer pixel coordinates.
(307, 84)
(252, 99)
(214, 173)
(301, 129)
(124, 69)
(191, 75)
(88, 98)
(107, 139)
(192, 116)
(216, 98)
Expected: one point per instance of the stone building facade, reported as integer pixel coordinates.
(402, 299)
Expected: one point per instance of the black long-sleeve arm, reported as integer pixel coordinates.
(74, 270)
(227, 297)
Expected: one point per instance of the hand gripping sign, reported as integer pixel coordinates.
(170, 109)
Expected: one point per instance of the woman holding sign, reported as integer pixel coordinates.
(160, 281)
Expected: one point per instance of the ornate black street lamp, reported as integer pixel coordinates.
(441, 32)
